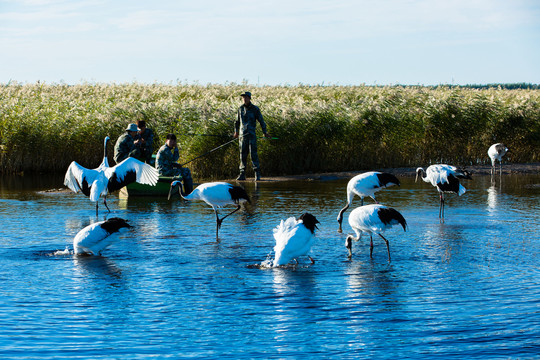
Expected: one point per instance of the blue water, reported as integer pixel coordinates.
(465, 288)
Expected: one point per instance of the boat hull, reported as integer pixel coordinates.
(160, 189)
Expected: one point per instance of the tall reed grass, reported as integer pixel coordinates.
(320, 128)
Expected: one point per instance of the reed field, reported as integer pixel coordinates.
(319, 128)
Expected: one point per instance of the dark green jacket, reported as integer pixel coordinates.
(246, 121)
(148, 137)
(165, 159)
(124, 148)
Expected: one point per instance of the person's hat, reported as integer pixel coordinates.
(132, 127)
(246, 93)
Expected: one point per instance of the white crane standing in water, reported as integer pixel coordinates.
(294, 238)
(215, 194)
(496, 152)
(373, 219)
(366, 184)
(446, 179)
(104, 179)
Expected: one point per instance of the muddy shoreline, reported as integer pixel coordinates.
(532, 168)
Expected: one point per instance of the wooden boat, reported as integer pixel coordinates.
(160, 189)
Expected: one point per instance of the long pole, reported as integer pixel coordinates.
(208, 152)
(214, 149)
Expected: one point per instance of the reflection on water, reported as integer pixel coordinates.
(465, 288)
(492, 198)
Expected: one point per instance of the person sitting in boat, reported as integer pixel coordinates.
(166, 163)
(127, 145)
(146, 141)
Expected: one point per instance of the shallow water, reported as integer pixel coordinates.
(465, 288)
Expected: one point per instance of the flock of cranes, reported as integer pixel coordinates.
(294, 237)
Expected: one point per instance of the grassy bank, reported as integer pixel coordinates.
(323, 128)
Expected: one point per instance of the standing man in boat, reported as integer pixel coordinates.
(167, 165)
(127, 145)
(146, 141)
(244, 128)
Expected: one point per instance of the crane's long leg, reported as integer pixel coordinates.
(105, 202)
(96, 208)
(219, 221)
(371, 246)
(387, 246)
(348, 245)
(340, 216)
(442, 198)
(232, 212)
(441, 206)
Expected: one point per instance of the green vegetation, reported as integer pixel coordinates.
(320, 128)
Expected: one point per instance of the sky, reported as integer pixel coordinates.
(278, 42)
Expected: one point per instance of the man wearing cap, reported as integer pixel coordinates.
(244, 128)
(126, 145)
(146, 141)
(167, 165)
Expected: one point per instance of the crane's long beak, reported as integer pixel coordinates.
(172, 190)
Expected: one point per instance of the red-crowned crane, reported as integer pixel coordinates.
(294, 238)
(104, 179)
(95, 237)
(215, 194)
(445, 179)
(373, 219)
(496, 152)
(366, 184)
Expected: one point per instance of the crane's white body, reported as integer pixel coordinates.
(365, 219)
(99, 180)
(215, 194)
(441, 174)
(366, 184)
(496, 152)
(93, 239)
(373, 219)
(446, 179)
(105, 179)
(293, 239)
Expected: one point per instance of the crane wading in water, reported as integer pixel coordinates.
(366, 184)
(446, 179)
(215, 194)
(294, 238)
(373, 219)
(496, 152)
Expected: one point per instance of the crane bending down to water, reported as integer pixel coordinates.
(373, 219)
(366, 184)
(104, 179)
(446, 179)
(215, 194)
(95, 237)
(294, 238)
(496, 152)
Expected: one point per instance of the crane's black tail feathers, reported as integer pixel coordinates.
(238, 193)
(392, 216)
